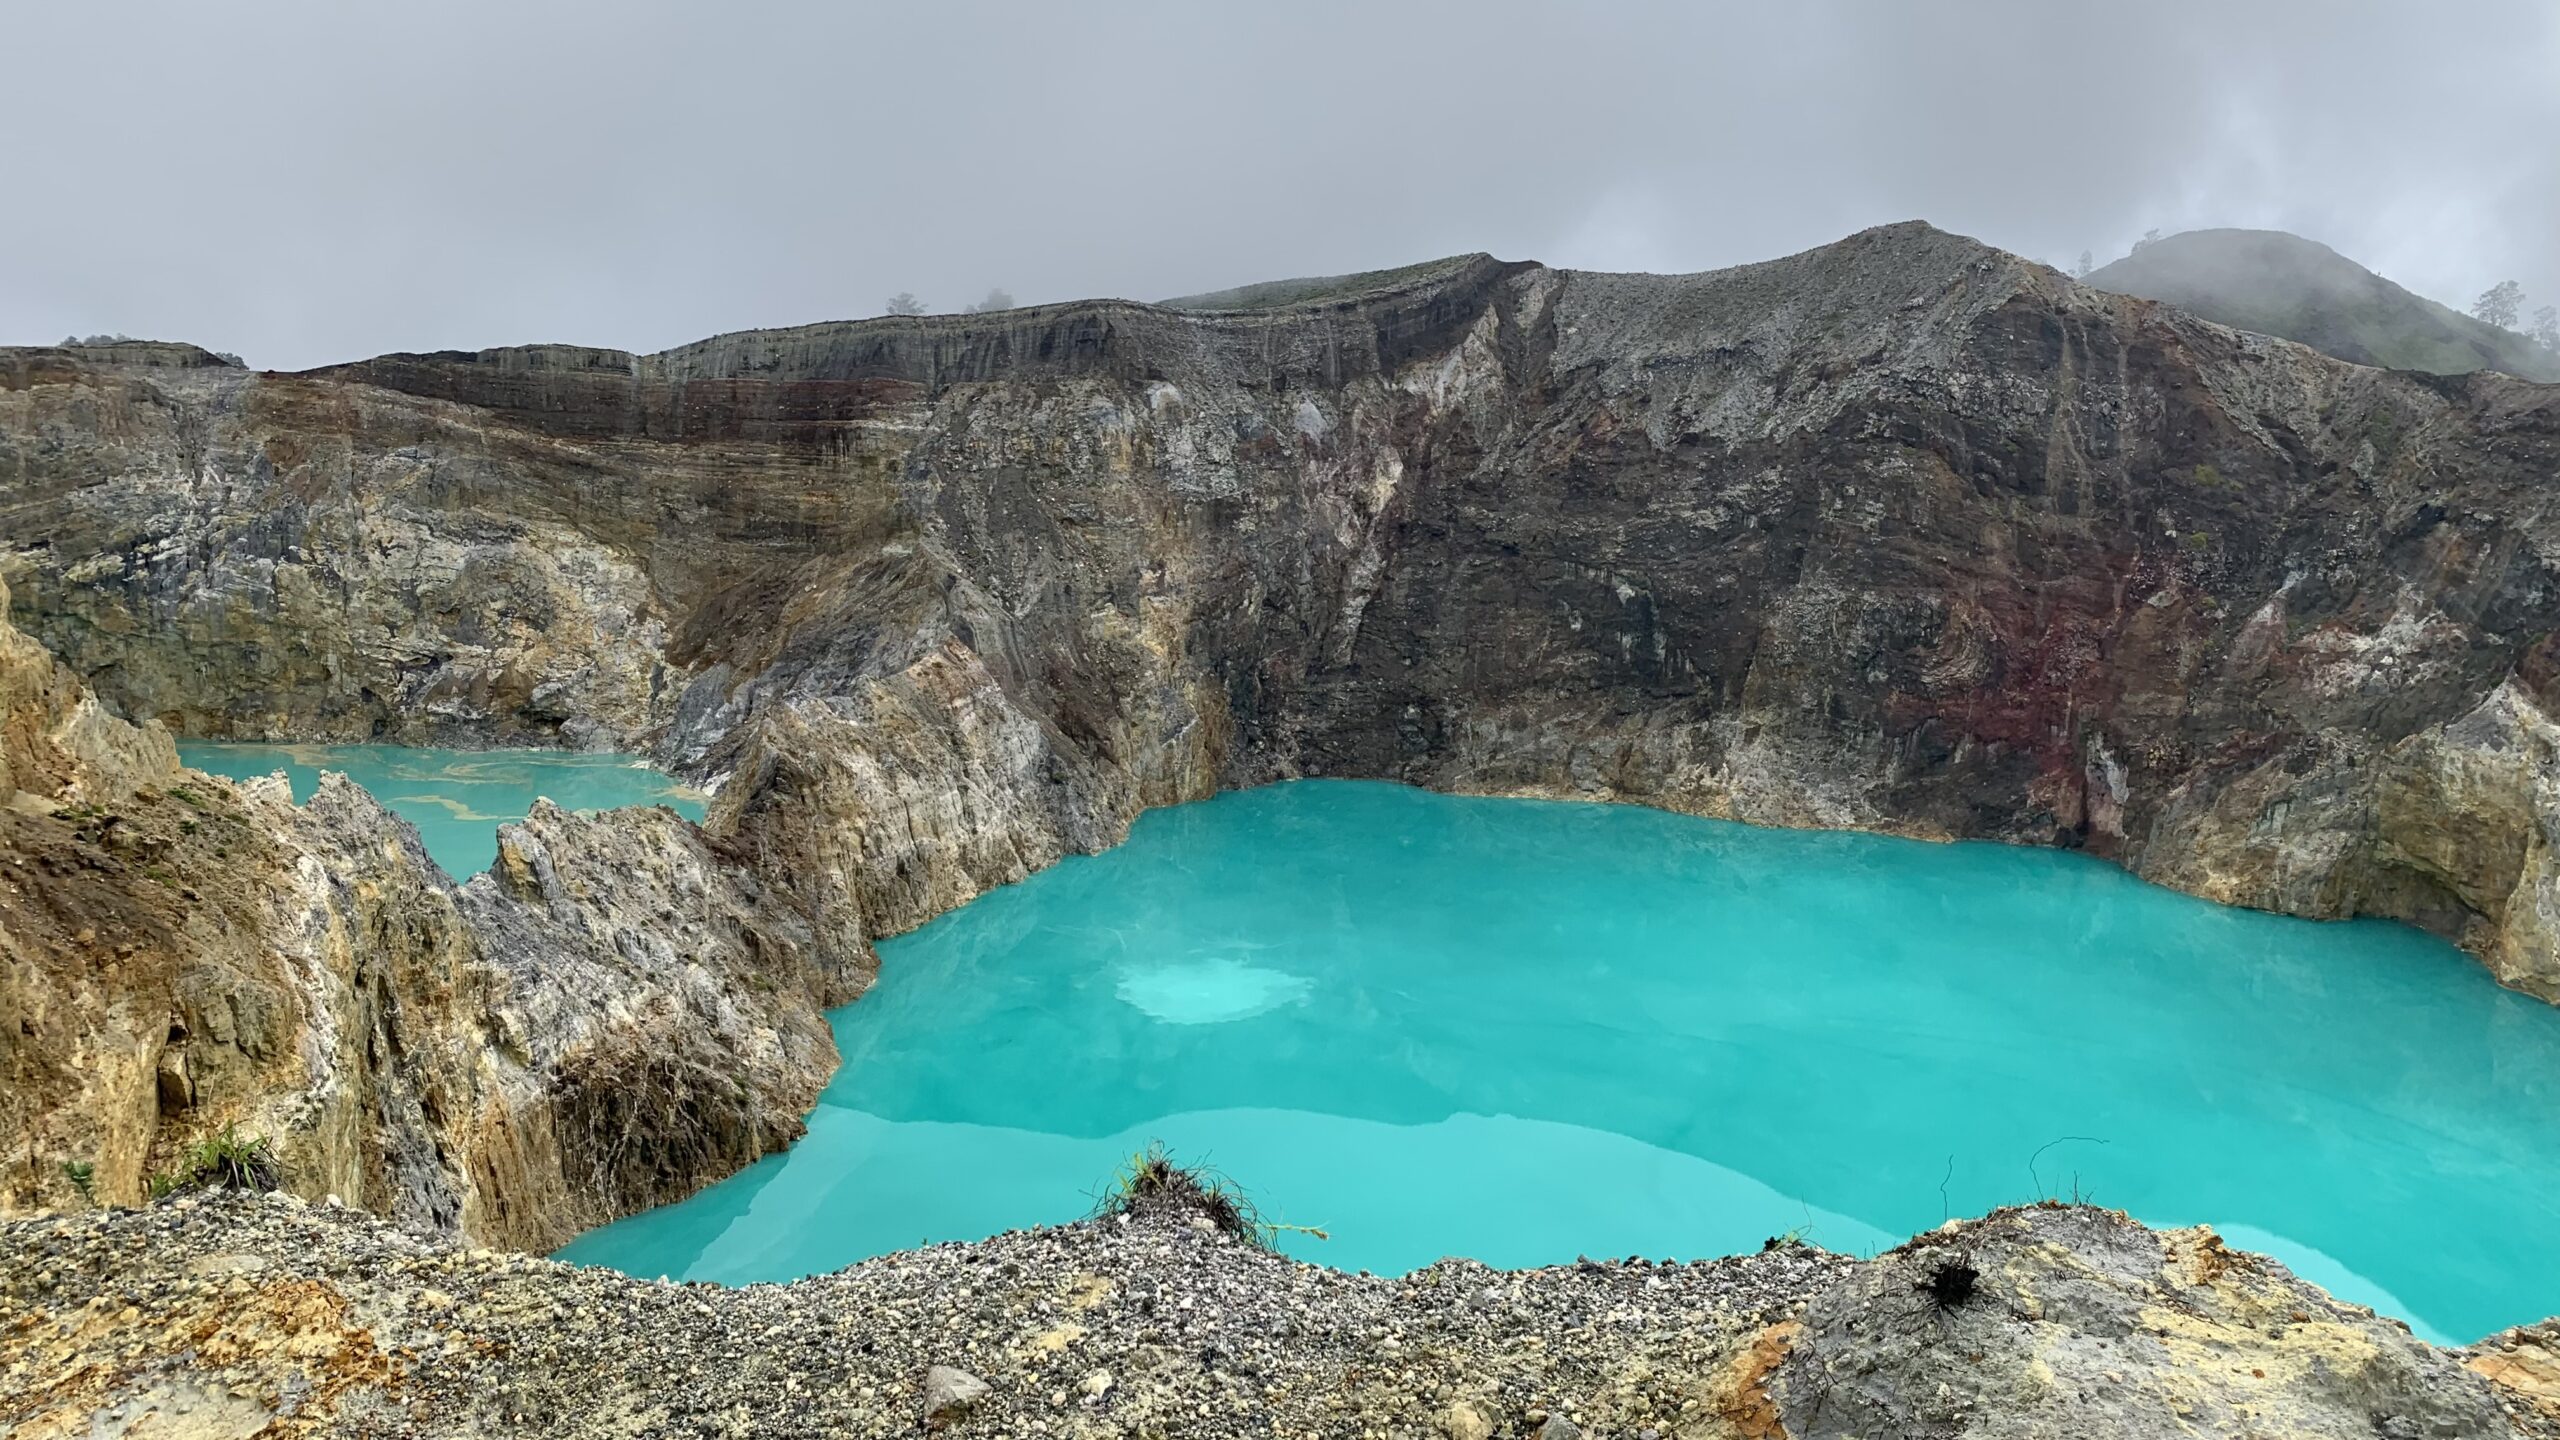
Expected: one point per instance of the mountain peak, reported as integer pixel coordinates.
(2282, 284)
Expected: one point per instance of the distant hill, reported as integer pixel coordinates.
(2284, 285)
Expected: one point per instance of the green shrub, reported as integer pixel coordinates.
(227, 1160)
(230, 1160)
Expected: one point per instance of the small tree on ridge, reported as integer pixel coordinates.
(2500, 304)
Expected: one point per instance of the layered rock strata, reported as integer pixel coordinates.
(1903, 533)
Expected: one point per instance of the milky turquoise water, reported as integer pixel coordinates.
(1522, 1032)
(456, 798)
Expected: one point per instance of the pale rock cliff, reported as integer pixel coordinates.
(615, 1015)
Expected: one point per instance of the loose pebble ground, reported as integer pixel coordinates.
(232, 1315)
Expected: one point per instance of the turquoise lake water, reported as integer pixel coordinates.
(456, 798)
(1524, 1031)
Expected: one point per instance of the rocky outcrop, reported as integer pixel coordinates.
(616, 1014)
(2075, 1321)
(57, 747)
(222, 1315)
(2450, 827)
(1903, 534)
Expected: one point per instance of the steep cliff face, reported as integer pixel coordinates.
(614, 1015)
(1903, 533)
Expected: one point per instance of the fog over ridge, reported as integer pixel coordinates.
(305, 184)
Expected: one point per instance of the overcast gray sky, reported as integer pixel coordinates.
(308, 183)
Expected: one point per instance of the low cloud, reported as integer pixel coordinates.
(311, 184)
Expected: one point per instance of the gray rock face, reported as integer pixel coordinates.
(1901, 534)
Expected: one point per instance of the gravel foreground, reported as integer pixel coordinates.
(231, 1315)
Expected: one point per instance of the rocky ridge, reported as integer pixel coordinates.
(226, 1314)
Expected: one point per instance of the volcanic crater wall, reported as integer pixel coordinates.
(1902, 534)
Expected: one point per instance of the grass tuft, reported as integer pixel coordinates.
(1150, 1183)
(226, 1160)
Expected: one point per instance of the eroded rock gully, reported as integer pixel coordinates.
(1901, 534)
